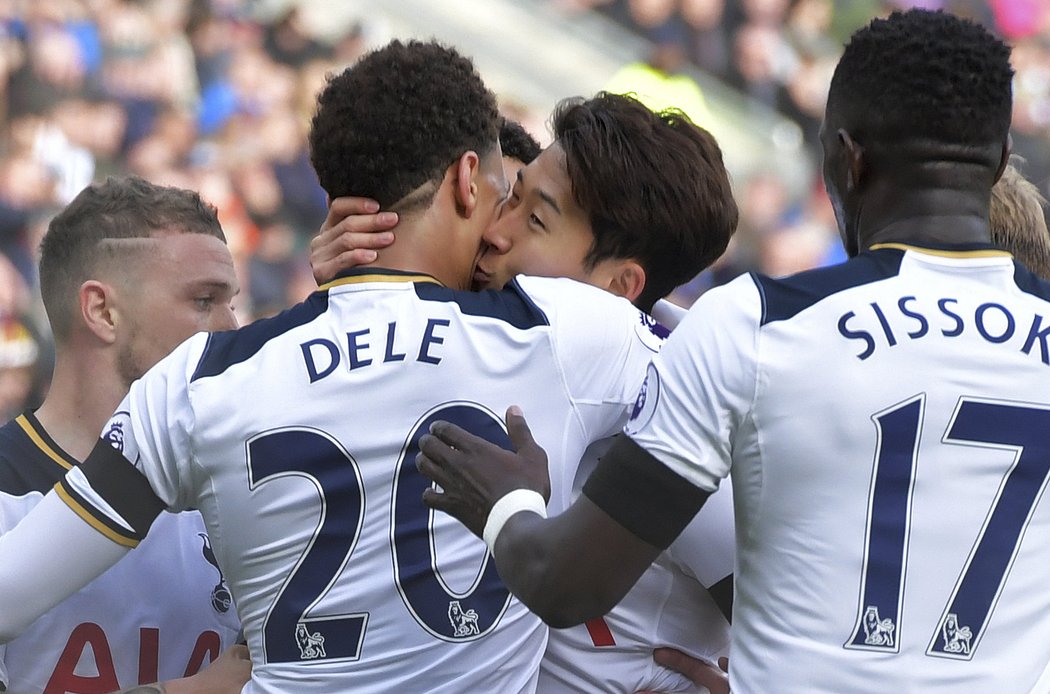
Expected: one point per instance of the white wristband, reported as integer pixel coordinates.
(508, 505)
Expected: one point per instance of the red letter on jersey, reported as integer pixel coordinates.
(601, 635)
(207, 645)
(64, 679)
(149, 655)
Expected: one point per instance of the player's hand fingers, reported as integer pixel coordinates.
(700, 672)
(431, 469)
(239, 652)
(456, 437)
(348, 205)
(354, 215)
(518, 429)
(355, 232)
(330, 255)
(434, 499)
(354, 218)
(437, 450)
(325, 270)
(363, 228)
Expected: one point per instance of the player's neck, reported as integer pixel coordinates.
(924, 215)
(418, 250)
(80, 400)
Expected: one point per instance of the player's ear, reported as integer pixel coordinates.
(97, 310)
(1004, 157)
(626, 279)
(855, 163)
(466, 172)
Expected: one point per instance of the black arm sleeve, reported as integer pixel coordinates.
(642, 494)
(122, 486)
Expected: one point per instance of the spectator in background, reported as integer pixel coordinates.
(659, 81)
(212, 95)
(18, 358)
(708, 40)
(288, 40)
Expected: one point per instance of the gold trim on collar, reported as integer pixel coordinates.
(359, 279)
(979, 253)
(41, 443)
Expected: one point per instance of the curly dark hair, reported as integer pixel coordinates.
(397, 119)
(921, 75)
(76, 243)
(653, 184)
(517, 143)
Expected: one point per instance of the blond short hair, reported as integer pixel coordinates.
(1018, 222)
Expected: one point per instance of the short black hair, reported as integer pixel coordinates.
(654, 186)
(921, 75)
(397, 119)
(75, 246)
(517, 143)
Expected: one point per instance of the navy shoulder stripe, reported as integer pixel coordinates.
(235, 346)
(510, 304)
(785, 298)
(24, 468)
(1030, 283)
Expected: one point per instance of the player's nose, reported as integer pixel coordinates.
(496, 236)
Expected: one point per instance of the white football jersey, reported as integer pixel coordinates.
(162, 613)
(668, 606)
(296, 438)
(887, 426)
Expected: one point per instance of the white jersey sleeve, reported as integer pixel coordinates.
(33, 581)
(706, 549)
(700, 387)
(668, 314)
(626, 337)
(154, 424)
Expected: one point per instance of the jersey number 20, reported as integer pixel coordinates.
(291, 632)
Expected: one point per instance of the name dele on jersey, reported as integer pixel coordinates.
(322, 356)
(914, 319)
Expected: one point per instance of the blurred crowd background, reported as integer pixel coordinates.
(217, 95)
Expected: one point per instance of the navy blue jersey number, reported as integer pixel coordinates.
(292, 632)
(445, 614)
(289, 636)
(989, 424)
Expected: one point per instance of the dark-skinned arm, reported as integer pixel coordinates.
(577, 565)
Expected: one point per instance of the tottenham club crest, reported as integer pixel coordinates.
(645, 404)
(221, 600)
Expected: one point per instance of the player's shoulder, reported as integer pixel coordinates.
(221, 350)
(563, 294)
(592, 317)
(512, 305)
(577, 306)
(785, 297)
(1031, 283)
(30, 461)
